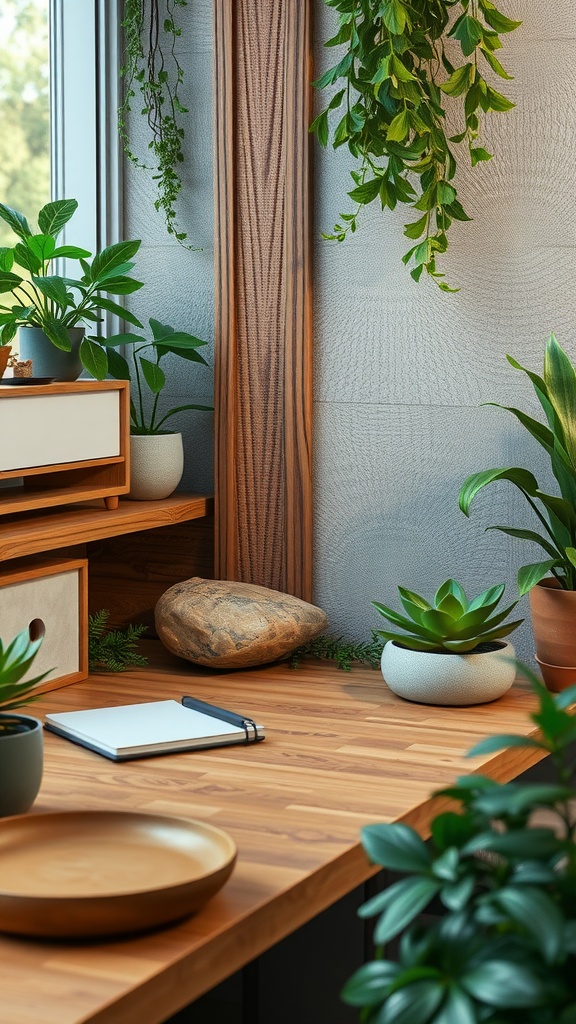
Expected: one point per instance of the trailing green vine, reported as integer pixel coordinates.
(151, 69)
(396, 74)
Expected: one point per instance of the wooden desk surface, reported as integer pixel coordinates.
(341, 751)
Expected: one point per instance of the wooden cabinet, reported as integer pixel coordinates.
(63, 443)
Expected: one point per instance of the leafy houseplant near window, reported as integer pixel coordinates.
(504, 950)
(552, 598)
(156, 454)
(51, 310)
(451, 651)
(20, 736)
(392, 80)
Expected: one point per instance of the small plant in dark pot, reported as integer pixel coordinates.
(21, 747)
(451, 650)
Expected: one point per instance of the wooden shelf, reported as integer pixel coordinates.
(30, 533)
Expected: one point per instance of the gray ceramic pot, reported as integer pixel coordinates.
(47, 360)
(21, 761)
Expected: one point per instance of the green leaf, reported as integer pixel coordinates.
(54, 216)
(505, 985)
(53, 288)
(320, 127)
(414, 1004)
(396, 847)
(370, 984)
(113, 307)
(399, 127)
(394, 16)
(184, 408)
(118, 366)
(366, 192)
(120, 285)
(70, 251)
(496, 20)
(457, 1009)
(496, 101)
(25, 258)
(459, 80)
(530, 575)
(503, 742)
(521, 478)
(15, 220)
(417, 894)
(57, 333)
(42, 246)
(478, 154)
(399, 70)
(494, 63)
(94, 358)
(6, 258)
(153, 374)
(112, 256)
(469, 32)
(534, 910)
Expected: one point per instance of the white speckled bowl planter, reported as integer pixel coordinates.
(428, 677)
(156, 465)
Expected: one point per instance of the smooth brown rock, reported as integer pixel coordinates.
(224, 624)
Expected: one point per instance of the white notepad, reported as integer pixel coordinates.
(143, 730)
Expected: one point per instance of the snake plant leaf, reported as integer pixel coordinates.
(528, 535)
(539, 430)
(560, 379)
(530, 575)
(561, 509)
(521, 478)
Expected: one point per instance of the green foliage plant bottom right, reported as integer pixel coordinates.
(504, 949)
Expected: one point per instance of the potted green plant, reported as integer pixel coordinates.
(50, 311)
(503, 949)
(552, 597)
(451, 650)
(21, 756)
(156, 453)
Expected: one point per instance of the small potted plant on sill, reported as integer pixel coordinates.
(503, 868)
(21, 748)
(50, 312)
(452, 650)
(156, 454)
(552, 597)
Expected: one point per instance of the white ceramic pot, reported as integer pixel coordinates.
(429, 677)
(156, 465)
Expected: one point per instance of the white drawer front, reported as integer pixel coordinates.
(53, 600)
(45, 430)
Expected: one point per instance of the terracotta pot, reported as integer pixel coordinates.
(5, 351)
(432, 677)
(553, 619)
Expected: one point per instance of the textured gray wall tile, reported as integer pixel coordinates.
(401, 369)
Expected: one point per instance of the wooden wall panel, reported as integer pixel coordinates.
(263, 333)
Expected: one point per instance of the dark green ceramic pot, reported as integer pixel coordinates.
(21, 762)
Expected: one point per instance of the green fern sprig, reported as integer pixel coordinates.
(113, 650)
(343, 652)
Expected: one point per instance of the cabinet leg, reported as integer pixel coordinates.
(111, 502)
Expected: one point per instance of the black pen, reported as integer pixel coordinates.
(213, 711)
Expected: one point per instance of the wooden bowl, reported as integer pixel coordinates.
(96, 873)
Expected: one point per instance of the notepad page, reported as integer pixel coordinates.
(141, 725)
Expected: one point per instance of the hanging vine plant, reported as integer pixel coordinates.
(151, 70)
(396, 75)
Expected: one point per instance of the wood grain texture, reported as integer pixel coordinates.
(341, 751)
(263, 354)
(50, 528)
(128, 574)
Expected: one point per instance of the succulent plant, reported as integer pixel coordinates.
(16, 658)
(451, 622)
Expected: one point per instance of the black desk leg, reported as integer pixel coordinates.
(251, 993)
